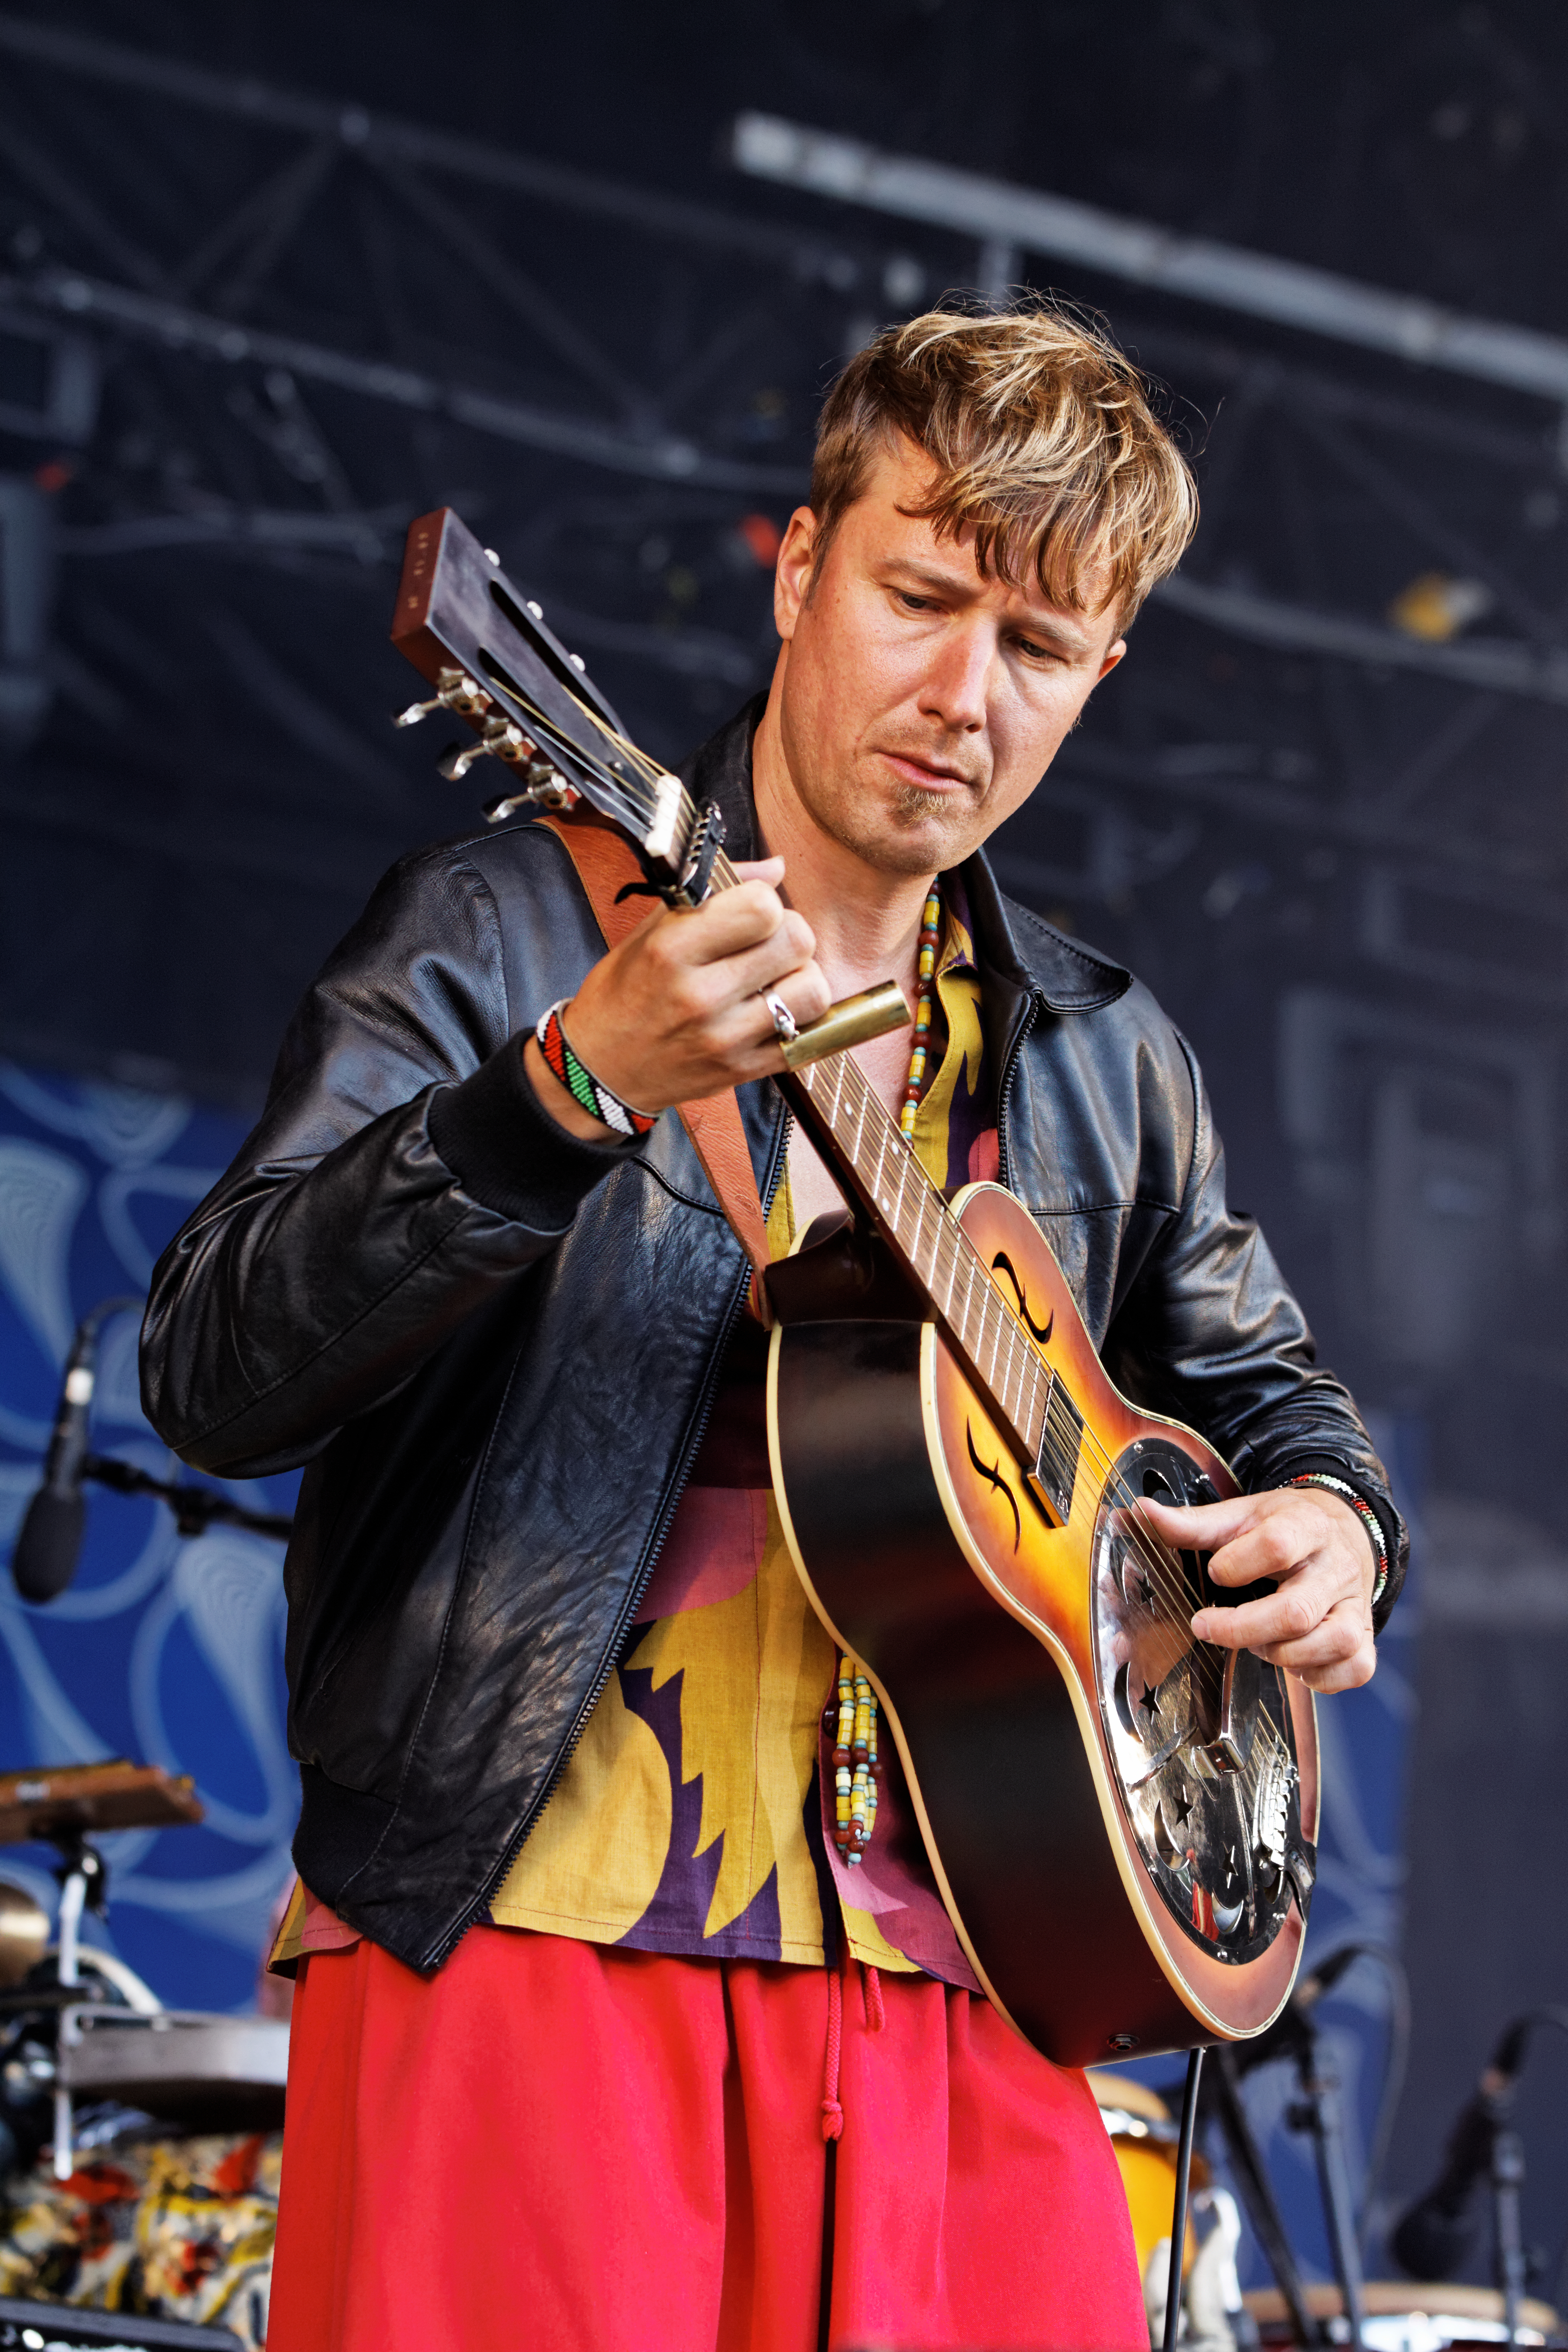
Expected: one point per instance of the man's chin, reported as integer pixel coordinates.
(923, 833)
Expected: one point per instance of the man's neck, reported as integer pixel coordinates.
(866, 922)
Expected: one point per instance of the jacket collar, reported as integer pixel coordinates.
(1020, 955)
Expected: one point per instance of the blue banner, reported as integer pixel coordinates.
(164, 1649)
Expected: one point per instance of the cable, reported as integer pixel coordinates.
(1179, 2218)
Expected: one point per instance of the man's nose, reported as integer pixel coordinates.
(955, 686)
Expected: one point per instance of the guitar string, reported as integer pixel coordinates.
(949, 1248)
(1167, 1575)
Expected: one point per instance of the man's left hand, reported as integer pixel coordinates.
(1316, 1551)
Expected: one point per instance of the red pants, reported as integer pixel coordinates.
(562, 2145)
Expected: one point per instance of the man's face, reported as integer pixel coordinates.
(920, 703)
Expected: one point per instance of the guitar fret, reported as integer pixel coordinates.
(937, 1252)
(905, 1156)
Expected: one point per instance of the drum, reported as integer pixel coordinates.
(1402, 2317)
(209, 2074)
(1146, 2137)
(24, 1934)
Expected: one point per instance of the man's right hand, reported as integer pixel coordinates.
(674, 1013)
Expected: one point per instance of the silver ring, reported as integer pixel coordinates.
(784, 1026)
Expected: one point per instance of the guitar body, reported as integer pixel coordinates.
(1124, 1848)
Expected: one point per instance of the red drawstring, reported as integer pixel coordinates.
(876, 2018)
(832, 2113)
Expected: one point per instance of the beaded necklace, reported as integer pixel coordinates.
(856, 1767)
(930, 931)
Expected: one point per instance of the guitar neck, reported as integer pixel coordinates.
(864, 1144)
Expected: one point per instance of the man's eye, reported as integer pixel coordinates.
(1036, 653)
(915, 604)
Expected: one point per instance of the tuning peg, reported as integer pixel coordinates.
(457, 691)
(503, 740)
(550, 792)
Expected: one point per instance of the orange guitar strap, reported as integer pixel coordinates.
(606, 862)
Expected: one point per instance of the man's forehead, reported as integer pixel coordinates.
(903, 477)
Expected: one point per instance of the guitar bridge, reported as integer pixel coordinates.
(1055, 1473)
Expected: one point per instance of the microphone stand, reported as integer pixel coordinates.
(1317, 2113)
(194, 1508)
(1294, 2035)
(1222, 2101)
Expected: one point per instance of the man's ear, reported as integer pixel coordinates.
(792, 573)
(1113, 655)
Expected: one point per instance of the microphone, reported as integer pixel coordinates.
(1433, 2236)
(43, 1558)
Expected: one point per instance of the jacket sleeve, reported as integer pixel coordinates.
(1219, 1341)
(403, 1171)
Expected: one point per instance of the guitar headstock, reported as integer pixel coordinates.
(485, 650)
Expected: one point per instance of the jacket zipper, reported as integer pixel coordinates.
(1004, 1160)
(625, 1617)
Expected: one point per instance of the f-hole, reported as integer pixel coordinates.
(1003, 1264)
(991, 1472)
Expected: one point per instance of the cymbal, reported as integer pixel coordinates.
(71, 1798)
(1403, 2298)
(23, 1933)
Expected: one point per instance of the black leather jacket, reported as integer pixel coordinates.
(496, 1346)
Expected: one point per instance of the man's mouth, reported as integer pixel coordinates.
(927, 775)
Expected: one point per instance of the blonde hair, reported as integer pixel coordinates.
(1044, 439)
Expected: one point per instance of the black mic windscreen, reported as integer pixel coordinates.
(1431, 2244)
(43, 1558)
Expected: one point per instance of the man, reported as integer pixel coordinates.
(600, 2040)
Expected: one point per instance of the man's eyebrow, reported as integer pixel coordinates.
(1056, 627)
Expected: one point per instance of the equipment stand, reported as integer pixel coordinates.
(84, 1885)
(1508, 2179)
(1316, 2111)
(1223, 2102)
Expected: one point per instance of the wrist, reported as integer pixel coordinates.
(577, 1084)
(555, 1100)
(1344, 1492)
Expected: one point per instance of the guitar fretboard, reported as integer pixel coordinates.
(944, 1262)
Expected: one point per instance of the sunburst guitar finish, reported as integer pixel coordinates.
(1122, 1831)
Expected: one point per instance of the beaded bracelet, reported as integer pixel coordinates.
(580, 1082)
(1363, 1512)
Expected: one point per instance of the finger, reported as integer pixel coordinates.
(783, 963)
(1291, 1614)
(733, 921)
(1275, 1548)
(804, 995)
(760, 869)
(1200, 1526)
(1349, 1674)
(1339, 1654)
(747, 1025)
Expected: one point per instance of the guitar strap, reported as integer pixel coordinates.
(606, 862)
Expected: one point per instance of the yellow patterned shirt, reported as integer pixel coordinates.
(694, 1816)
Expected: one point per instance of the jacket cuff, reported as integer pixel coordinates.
(1378, 1502)
(507, 1153)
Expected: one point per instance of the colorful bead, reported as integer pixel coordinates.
(856, 1766)
(926, 954)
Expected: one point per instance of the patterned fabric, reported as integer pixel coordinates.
(165, 2229)
(694, 1816)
